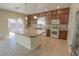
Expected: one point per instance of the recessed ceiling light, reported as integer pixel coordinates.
(46, 9)
(17, 7)
(58, 7)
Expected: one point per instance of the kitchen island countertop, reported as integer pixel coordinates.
(32, 32)
(30, 39)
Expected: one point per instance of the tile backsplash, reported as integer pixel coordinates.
(63, 27)
(57, 26)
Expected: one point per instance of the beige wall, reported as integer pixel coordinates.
(72, 18)
(4, 16)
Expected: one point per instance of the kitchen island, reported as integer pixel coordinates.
(30, 39)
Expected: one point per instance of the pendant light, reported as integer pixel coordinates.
(58, 9)
(25, 4)
(26, 18)
(35, 17)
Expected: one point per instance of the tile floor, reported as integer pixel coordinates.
(49, 47)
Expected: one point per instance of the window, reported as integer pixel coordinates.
(41, 22)
(16, 26)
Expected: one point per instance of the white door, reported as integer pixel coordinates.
(15, 26)
(12, 27)
(20, 26)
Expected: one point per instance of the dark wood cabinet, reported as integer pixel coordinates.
(53, 17)
(64, 18)
(54, 12)
(65, 11)
(62, 34)
(64, 15)
(61, 14)
(48, 32)
(58, 16)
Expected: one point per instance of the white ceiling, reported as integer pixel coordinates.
(31, 8)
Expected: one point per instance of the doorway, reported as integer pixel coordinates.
(15, 26)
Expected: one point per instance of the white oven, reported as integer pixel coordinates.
(54, 28)
(54, 33)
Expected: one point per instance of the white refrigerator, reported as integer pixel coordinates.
(75, 41)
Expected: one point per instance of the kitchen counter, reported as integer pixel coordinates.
(32, 32)
(30, 39)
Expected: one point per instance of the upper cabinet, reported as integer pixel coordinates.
(61, 14)
(64, 18)
(65, 11)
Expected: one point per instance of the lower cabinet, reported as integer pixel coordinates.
(48, 32)
(63, 34)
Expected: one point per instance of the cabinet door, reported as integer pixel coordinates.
(48, 32)
(54, 12)
(54, 16)
(64, 18)
(58, 16)
(62, 34)
(65, 10)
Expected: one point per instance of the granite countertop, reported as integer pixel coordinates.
(32, 32)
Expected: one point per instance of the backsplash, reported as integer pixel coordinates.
(64, 27)
(57, 26)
